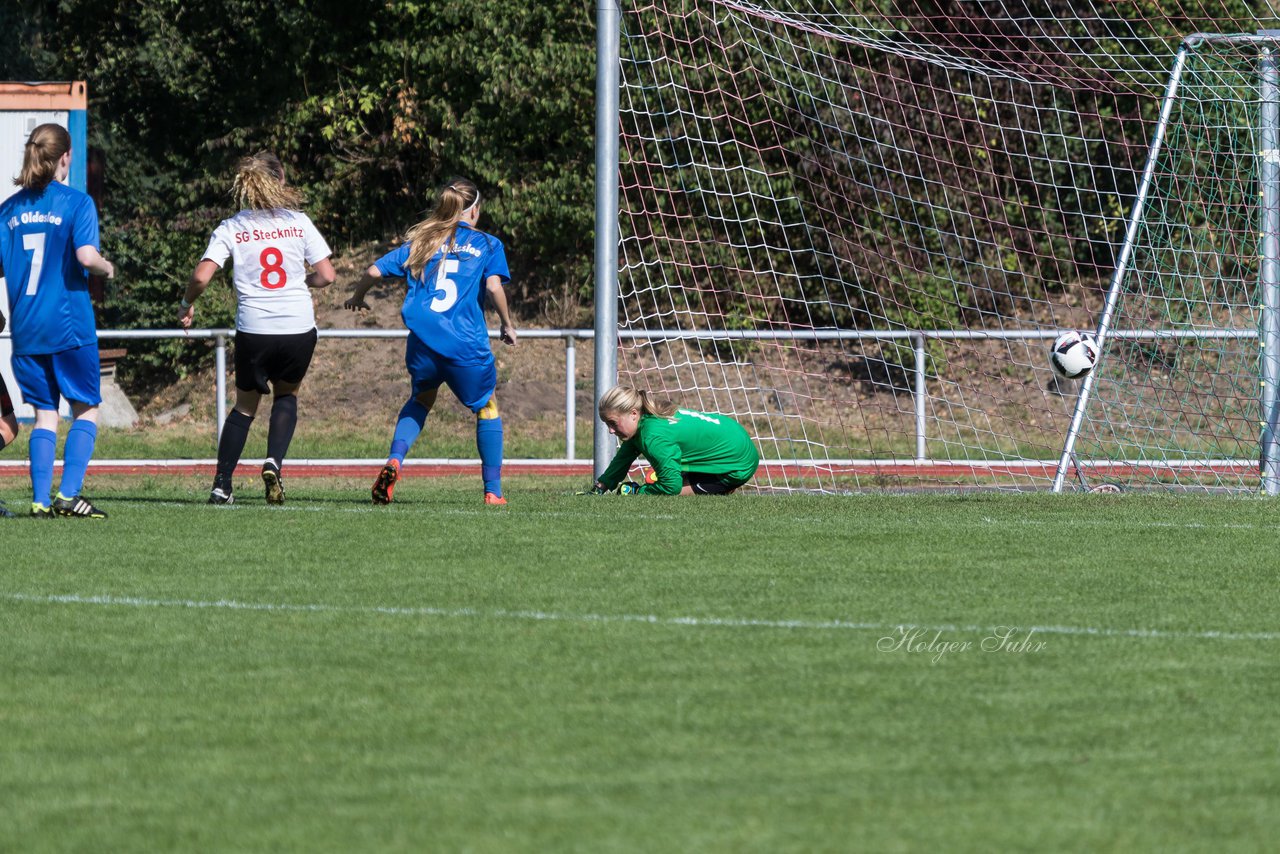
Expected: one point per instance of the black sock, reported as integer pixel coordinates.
(235, 432)
(284, 417)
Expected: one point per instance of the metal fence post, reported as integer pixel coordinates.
(220, 378)
(570, 395)
(917, 341)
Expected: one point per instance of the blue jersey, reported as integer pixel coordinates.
(445, 305)
(49, 303)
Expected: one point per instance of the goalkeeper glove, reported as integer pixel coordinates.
(629, 488)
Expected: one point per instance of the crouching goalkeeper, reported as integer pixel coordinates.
(691, 453)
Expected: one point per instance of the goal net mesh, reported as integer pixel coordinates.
(856, 228)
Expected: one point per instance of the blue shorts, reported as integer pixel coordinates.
(471, 384)
(74, 374)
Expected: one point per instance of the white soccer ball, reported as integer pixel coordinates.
(1074, 354)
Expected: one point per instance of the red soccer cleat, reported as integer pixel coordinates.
(385, 485)
(496, 500)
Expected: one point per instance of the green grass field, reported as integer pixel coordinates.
(610, 674)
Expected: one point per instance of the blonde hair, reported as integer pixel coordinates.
(624, 398)
(259, 185)
(44, 149)
(426, 238)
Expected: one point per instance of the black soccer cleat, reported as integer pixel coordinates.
(273, 484)
(5, 513)
(39, 511)
(76, 508)
(218, 495)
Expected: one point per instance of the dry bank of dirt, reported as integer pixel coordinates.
(853, 398)
(364, 380)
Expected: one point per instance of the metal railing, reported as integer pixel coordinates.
(221, 336)
(919, 339)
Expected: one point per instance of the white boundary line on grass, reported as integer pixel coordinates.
(651, 619)
(256, 504)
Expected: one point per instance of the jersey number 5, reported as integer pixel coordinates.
(34, 243)
(444, 301)
(272, 268)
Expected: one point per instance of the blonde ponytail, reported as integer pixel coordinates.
(40, 157)
(624, 398)
(259, 185)
(439, 229)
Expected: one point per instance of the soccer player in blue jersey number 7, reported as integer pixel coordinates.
(450, 266)
(48, 247)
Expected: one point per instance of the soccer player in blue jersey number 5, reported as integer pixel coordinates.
(450, 266)
(48, 247)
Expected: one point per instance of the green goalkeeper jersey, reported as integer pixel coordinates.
(686, 442)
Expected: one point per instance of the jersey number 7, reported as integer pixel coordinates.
(34, 243)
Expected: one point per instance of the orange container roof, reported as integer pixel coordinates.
(43, 96)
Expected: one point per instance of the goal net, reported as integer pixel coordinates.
(857, 227)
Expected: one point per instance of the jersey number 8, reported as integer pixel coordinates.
(272, 268)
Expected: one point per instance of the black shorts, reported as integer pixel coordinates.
(6, 402)
(711, 484)
(263, 359)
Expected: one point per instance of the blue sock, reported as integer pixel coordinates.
(489, 444)
(76, 454)
(409, 424)
(41, 445)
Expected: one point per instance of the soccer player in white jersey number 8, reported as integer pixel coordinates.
(446, 261)
(270, 243)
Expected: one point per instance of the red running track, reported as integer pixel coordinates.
(582, 468)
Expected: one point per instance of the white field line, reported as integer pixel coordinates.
(1124, 523)
(256, 504)
(650, 619)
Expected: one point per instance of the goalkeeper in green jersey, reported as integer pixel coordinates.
(691, 453)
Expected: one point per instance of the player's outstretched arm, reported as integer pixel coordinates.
(200, 278)
(356, 302)
(507, 329)
(322, 274)
(618, 467)
(91, 259)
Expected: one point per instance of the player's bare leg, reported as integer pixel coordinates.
(8, 432)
